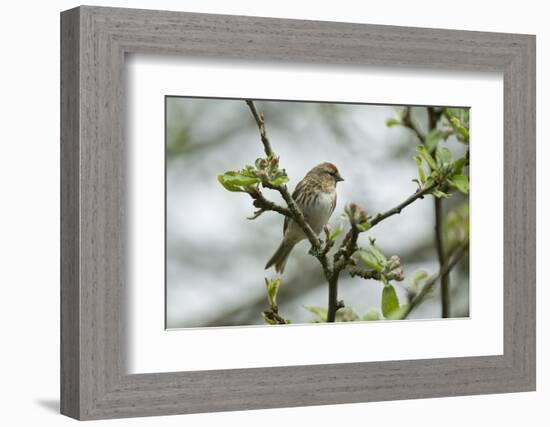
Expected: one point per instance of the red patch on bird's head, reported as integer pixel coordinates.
(332, 170)
(331, 167)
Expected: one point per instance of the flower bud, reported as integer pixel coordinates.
(399, 275)
(394, 262)
(362, 215)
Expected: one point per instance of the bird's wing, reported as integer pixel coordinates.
(285, 225)
(333, 204)
(295, 193)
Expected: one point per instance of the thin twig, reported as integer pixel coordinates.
(264, 204)
(329, 243)
(442, 258)
(347, 249)
(298, 216)
(433, 117)
(365, 274)
(397, 209)
(349, 244)
(261, 127)
(457, 255)
(409, 123)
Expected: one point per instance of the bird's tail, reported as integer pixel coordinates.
(280, 256)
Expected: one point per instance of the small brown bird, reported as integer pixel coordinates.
(315, 195)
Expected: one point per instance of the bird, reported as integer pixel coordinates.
(315, 195)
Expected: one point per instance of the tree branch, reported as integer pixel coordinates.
(261, 127)
(343, 256)
(457, 256)
(264, 204)
(297, 214)
(433, 117)
(329, 243)
(442, 258)
(349, 244)
(333, 303)
(419, 194)
(409, 123)
(348, 247)
(365, 274)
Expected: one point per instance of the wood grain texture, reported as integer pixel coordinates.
(70, 221)
(94, 272)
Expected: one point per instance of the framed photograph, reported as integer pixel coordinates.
(261, 213)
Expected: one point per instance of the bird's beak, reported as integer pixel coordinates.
(338, 177)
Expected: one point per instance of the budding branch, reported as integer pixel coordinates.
(444, 270)
(343, 255)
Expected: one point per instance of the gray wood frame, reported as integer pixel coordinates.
(94, 41)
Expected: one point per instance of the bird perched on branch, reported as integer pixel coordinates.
(315, 195)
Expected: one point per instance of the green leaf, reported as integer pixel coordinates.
(272, 290)
(228, 186)
(393, 122)
(462, 133)
(280, 180)
(421, 149)
(335, 233)
(465, 133)
(346, 314)
(458, 166)
(371, 315)
(440, 194)
(380, 257)
(460, 182)
(421, 173)
(398, 313)
(368, 258)
(432, 139)
(238, 179)
(390, 303)
(456, 226)
(444, 156)
(364, 226)
(248, 172)
(320, 312)
(454, 112)
(419, 276)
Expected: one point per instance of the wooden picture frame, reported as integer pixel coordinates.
(94, 382)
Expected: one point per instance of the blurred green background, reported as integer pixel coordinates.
(215, 256)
